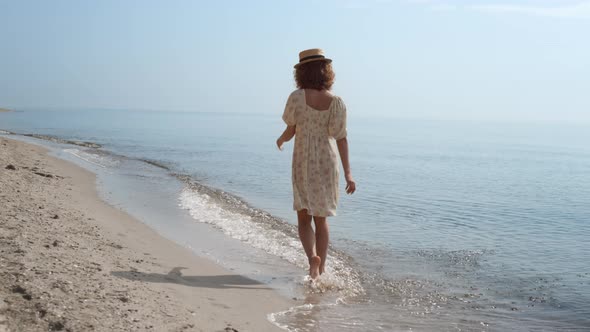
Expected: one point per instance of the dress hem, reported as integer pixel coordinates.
(316, 215)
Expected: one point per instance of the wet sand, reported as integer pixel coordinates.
(71, 262)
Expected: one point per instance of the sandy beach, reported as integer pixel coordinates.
(71, 262)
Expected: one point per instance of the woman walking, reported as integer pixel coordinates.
(317, 119)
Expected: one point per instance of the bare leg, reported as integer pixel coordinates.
(307, 237)
(322, 239)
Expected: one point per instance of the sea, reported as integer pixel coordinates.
(456, 225)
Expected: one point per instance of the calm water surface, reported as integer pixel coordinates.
(456, 226)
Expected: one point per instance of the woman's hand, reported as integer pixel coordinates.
(343, 150)
(285, 136)
(350, 184)
(280, 142)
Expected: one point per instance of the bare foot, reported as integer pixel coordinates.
(314, 266)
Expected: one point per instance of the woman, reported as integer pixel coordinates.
(317, 119)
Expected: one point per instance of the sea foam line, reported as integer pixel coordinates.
(87, 157)
(240, 225)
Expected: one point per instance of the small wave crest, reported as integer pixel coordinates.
(56, 139)
(94, 157)
(307, 318)
(159, 164)
(279, 318)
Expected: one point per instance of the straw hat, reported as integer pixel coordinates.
(314, 54)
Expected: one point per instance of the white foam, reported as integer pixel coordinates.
(93, 158)
(276, 317)
(203, 208)
(306, 314)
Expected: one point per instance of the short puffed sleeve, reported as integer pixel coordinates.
(337, 124)
(290, 113)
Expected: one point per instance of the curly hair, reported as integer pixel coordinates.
(317, 75)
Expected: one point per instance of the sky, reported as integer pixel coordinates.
(506, 60)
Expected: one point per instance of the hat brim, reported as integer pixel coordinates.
(310, 60)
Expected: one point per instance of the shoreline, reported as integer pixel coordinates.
(415, 274)
(71, 261)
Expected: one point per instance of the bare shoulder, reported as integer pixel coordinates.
(328, 95)
(318, 93)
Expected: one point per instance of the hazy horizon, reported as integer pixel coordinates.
(472, 60)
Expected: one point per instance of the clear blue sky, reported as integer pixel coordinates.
(484, 59)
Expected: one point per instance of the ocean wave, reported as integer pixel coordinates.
(95, 157)
(56, 139)
(156, 163)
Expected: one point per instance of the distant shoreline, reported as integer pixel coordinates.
(5, 110)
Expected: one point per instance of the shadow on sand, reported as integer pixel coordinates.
(175, 277)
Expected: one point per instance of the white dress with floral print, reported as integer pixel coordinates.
(315, 155)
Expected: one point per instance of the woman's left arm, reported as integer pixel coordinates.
(286, 136)
(343, 150)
